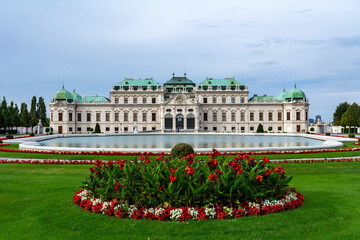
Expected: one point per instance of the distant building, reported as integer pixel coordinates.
(318, 119)
(140, 105)
(311, 121)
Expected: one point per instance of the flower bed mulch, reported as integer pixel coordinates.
(290, 200)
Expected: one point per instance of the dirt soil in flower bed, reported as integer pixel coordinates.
(36, 203)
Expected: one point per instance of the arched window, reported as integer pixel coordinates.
(168, 121)
(190, 123)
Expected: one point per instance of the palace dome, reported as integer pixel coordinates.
(63, 95)
(76, 96)
(295, 93)
(281, 96)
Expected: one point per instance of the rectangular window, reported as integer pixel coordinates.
(126, 117)
(205, 128)
(214, 128)
(88, 129)
(70, 118)
(126, 100)
(144, 117)
(79, 117)
(214, 116)
(242, 129)
(98, 117)
(107, 117)
(288, 116)
(270, 116)
(242, 100)
(70, 129)
(51, 117)
(60, 117)
(242, 116)
(297, 116)
(116, 100)
(126, 129)
(116, 117)
(116, 129)
(251, 116)
(223, 100)
(153, 117)
(144, 129)
(214, 99)
(135, 100)
(107, 129)
(279, 116)
(144, 100)
(223, 117)
(261, 116)
(79, 129)
(279, 128)
(135, 117)
(251, 128)
(232, 100)
(205, 117)
(205, 100)
(306, 116)
(153, 100)
(233, 116)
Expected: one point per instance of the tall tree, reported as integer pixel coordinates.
(16, 116)
(24, 115)
(340, 110)
(11, 114)
(33, 113)
(351, 116)
(41, 110)
(4, 114)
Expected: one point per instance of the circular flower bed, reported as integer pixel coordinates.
(187, 188)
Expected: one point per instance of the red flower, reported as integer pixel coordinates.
(213, 178)
(172, 178)
(267, 173)
(117, 186)
(265, 159)
(212, 163)
(189, 170)
(258, 178)
(172, 170)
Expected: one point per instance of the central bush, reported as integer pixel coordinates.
(187, 181)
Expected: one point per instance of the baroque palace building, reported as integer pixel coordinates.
(215, 105)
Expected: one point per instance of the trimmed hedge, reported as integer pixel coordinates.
(181, 150)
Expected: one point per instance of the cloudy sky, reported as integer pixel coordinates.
(268, 45)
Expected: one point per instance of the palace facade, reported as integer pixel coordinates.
(215, 105)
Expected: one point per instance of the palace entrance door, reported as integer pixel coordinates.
(179, 121)
(168, 121)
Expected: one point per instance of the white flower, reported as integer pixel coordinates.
(193, 213)
(175, 214)
(210, 212)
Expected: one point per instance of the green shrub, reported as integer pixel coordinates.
(187, 181)
(260, 128)
(351, 135)
(9, 136)
(327, 134)
(97, 128)
(47, 130)
(181, 150)
(312, 129)
(51, 133)
(32, 134)
(1, 141)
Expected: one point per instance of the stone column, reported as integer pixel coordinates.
(197, 120)
(162, 118)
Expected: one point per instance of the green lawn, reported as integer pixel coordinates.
(36, 203)
(95, 157)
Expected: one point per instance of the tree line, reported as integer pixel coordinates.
(12, 116)
(347, 115)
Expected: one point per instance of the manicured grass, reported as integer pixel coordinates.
(104, 157)
(36, 203)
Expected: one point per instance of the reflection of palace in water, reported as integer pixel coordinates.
(215, 105)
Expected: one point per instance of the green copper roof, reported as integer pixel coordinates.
(281, 96)
(220, 82)
(63, 95)
(256, 98)
(295, 93)
(138, 82)
(179, 81)
(98, 99)
(76, 96)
